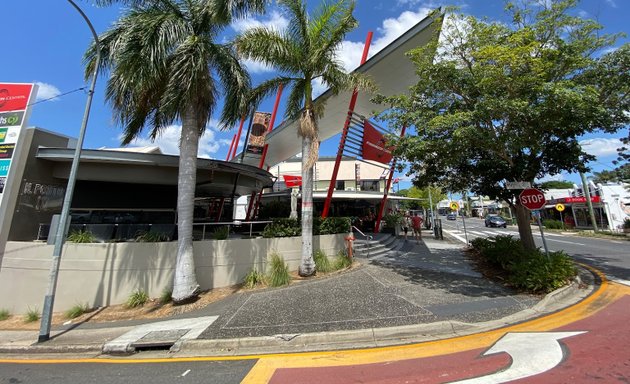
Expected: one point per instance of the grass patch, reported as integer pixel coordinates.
(152, 237)
(137, 299)
(278, 271)
(322, 263)
(81, 237)
(342, 260)
(4, 314)
(76, 311)
(31, 315)
(166, 296)
(253, 279)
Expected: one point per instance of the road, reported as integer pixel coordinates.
(610, 256)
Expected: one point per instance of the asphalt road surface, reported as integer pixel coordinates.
(610, 256)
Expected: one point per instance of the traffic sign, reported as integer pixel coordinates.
(560, 207)
(454, 206)
(532, 199)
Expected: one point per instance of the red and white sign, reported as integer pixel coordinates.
(292, 181)
(374, 145)
(14, 97)
(581, 199)
(532, 199)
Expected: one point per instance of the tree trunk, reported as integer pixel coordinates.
(524, 227)
(307, 265)
(185, 284)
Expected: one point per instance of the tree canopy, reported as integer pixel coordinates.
(555, 184)
(500, 102)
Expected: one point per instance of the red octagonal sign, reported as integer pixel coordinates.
(532, 198)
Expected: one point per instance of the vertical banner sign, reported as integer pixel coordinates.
(260, 125)
(14, 111)
(374, 147)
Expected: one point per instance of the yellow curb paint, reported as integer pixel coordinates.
(267, 364)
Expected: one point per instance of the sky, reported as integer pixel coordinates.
(45, 41)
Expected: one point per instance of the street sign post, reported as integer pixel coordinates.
(533, 199)
(560, 208)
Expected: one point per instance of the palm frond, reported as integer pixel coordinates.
(271, 48)
(295, 101)
(298, 23)
(265, 89)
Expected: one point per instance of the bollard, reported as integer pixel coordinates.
(350, 239)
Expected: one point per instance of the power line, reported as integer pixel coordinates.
(55, 97)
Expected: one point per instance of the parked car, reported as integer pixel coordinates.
(451, 216)
(495, 221)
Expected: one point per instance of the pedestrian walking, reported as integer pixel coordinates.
(416, 225)
(406, 223)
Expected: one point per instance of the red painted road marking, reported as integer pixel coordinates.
(602, 354)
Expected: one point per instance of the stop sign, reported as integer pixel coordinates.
(532, 198)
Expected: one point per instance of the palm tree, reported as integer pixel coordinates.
(304, 53)
(166, 66)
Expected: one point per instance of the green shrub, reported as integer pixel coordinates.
(342, 261)
(283, 227)
(165, 297)
(278, 271)
(552, 224)
(393, 219)
(31, 315)
(626, 223)
(221, 233)
(4, 314)
(539, 274)
(322, 264)
(253, 278)
(81, 237)
(76, 311)
(528, 270)
(332, 225)
(152, 237)
(137, 299)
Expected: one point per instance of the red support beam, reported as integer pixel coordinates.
(272, 121)
(238, 137)
(344, 133)
(227, 157)
(379, 217)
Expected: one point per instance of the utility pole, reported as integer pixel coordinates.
(589, 203)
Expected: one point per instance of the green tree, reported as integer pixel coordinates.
(504, 102)
(556, 184)
(166, 63)
(304, 53)
(423, 194)
(619, 174)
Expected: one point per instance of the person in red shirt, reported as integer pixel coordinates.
(416, 225)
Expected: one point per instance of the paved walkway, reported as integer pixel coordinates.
(415, 292)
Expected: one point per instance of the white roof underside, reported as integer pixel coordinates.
(390, 69)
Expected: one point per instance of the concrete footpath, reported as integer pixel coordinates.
(411, 293)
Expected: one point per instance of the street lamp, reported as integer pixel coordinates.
(49, 299)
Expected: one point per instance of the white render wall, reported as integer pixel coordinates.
(107, 273)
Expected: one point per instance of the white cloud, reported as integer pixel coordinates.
(168, 141)
(275, 20)
(601, 146)
(47, 92)
(612, 3)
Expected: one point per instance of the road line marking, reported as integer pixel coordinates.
(185, 373)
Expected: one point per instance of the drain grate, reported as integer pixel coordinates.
(159, 340)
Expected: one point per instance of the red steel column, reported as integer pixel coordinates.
(377, 223)
(238, 137)
(272, 121)
(344, 133)
(227, 157)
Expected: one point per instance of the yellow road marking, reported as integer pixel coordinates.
(267, 364)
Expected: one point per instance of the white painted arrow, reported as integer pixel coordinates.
(532, 354)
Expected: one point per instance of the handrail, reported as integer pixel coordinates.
(367, 237)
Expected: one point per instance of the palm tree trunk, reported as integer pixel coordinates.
(185, 284)
(524, 227)
(307, 265)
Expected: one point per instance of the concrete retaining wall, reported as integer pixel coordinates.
(104, 274)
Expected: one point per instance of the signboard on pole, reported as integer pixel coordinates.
(454, 206)
(560, 207)
(14, 110)
(258, 134)
(532, 199)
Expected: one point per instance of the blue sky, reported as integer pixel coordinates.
(46, 41)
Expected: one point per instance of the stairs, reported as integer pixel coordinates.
(380, 245)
